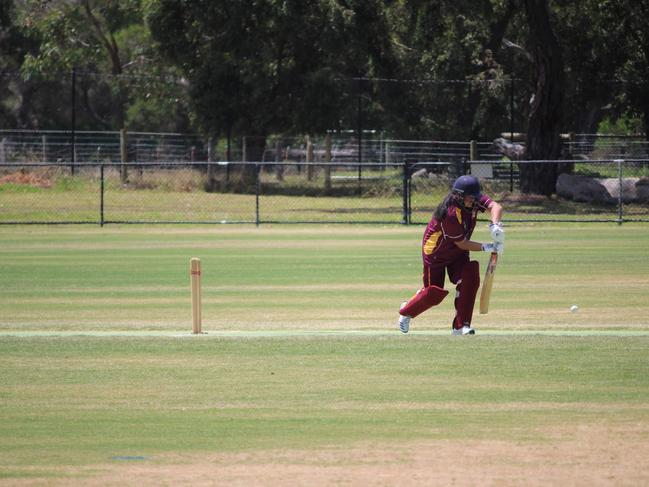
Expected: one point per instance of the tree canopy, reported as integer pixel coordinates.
(108, 45)
(412, 68)
(280, 66)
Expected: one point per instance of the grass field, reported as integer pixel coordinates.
(303, 378)
(46, 196)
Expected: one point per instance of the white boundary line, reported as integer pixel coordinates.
(316, 333)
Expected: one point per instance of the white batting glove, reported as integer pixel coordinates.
(489, 247)
(497, 232)
(498, 247)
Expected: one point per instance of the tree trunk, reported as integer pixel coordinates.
(327, 169)
(543, 139)
(108, 40)
(309, 158)
(255, 147)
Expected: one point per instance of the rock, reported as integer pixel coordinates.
(513, 151)
(612, 185)
(421, 173)
(642, 190)
(602, 190)
(583, 189)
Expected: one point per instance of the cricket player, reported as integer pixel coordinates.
(445, 249)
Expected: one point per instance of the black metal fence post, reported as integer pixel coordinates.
(620, 213)
(511, 131)
(460, 167)
(360, 134)
(73, 102)
(404, 218)
(257, 190)
(409, 200)
(101, 195)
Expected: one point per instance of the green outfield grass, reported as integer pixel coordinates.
(180, 196)
(303, 377)
(136, 278)
(83, 401)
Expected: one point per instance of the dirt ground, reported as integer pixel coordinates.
(38, 179)
(582, 456)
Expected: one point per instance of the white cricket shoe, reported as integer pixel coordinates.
(404, 321)
(465, 330)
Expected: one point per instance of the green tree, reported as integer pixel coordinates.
(110, 48)
(631, 44)
(15, 95)
(9, 54)
(451, 52)
(592, 56)
(276, 66)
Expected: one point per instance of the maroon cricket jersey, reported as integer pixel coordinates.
(440, 236)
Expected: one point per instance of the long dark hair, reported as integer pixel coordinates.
(442, 208)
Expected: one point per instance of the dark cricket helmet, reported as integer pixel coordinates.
(467, 185)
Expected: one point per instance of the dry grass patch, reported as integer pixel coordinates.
(580, 455)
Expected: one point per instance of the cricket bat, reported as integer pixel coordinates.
(487, 283)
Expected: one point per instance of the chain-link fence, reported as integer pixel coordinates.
(305, 192)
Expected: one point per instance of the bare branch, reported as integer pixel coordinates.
(507, 44)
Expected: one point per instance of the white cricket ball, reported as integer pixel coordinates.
(574, 308)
